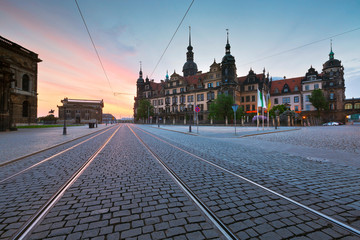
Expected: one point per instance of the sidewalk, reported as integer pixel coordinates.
(222, 131)
(25, 141)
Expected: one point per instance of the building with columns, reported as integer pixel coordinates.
(19, 83)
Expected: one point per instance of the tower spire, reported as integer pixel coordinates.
(189, 35)
(331, 54)
(140, 73)
(227, 47)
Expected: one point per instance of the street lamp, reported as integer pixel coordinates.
(64, 129)
(96, 118)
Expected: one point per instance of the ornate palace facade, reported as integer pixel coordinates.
(175, 97)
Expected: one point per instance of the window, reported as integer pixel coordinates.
(167, 100)
(182, 90)
(307, 87)
(217, 84)
(242, 99)
(307, 98)
(331, 84)
(25, 109)
(348, 106)
(357, 106)
(210, 96)
(210, 85)
(296, 88)
(296, 108)
(253, 108)
(174, 91)
(276, 90)
(247, 98)
(332, 96)
(285, 100)
(308, 107)
(248, 107)
(147, 87)
(253, 98)
(276, 101)
(332, 107)
(286, 90)
(296, 99)
(154, 102)
(182, 99)
(167, 92)
(25, 83)
(190, 98)
(200, 97)
(316, 86)
(174, 100)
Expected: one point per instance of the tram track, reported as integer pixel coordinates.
(355, 231)
(49, 148)
(52, 156)
(24, 231)
(28, 202)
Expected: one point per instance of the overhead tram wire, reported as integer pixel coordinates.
(305, 45)
(172, 37)
(97, 54)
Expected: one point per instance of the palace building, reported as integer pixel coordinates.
(79, 111)
(175, 98)
(18, 85)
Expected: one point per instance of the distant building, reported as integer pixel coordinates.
(81, 111)
(108, 118)
(18, 80)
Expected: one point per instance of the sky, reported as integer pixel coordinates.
(284, 37)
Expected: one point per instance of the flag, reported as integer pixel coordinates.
(269, 102)
(260, 99)
(263, 100)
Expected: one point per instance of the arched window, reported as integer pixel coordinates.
(25, 83)
(348, 106)
(357, 106)
(25, 110)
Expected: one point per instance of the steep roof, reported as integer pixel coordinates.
(194, 79)
(291, 82)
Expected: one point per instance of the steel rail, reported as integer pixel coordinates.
(318, 213)
(207, 211)
(53, 156)
(34, 220)
(45, 149)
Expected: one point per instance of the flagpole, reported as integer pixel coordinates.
(257, 110)
(262, 109)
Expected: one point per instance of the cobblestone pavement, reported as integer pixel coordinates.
(125, 194)
(28, 140)
(270, 217)
(21, 196)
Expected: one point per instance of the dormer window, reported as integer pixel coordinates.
(276, 90)
(286, 90)
(296, 88)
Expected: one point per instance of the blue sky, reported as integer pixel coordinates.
(126, 32)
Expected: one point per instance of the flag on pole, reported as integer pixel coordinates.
(263, 100)
(268, 101)
(260, 99)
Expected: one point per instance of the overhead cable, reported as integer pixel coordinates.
(172, 37)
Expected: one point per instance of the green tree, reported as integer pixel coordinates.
(318, 100)
(144, 110)
(282, 108)
(221, 107)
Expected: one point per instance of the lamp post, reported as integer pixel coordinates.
(64, 129)
(235, 107)
(276, 116)
(96, 118)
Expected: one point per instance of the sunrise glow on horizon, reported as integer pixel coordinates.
(127, 32)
